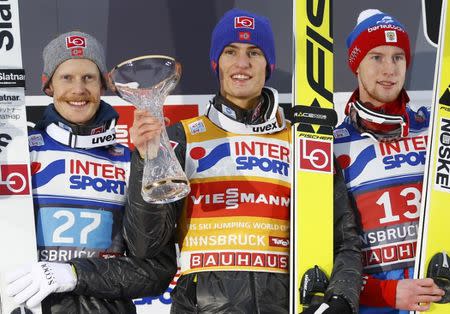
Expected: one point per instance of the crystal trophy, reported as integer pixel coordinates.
(145, 82)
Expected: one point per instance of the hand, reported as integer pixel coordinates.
(33, 283)
(145, 128)
(336, 305)
(417, 294)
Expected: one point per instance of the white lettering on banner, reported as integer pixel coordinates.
(232, 225)
(225, 240)
(266, 226)
(231, 198)
(63, 255)
(237, 225)
(412, 196)
(387, 26)
(389, 254)
(122, 134)
(242, 259)
(11, 77)
(390, 235)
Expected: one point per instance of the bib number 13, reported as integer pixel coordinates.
(412, 196)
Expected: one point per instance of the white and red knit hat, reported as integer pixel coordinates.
(375, 28)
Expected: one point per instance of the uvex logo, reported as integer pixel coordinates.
(104, 139)
(6, 37)
(264, 128)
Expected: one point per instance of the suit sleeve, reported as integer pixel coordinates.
(125, 277)
(149, 227)
(378, 293)
(346, 277)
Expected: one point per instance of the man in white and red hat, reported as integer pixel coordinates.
(381, 148)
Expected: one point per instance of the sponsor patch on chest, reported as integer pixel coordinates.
(340, 133)
(197, 127)
(35, 140)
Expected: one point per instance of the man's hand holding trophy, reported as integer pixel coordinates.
(145, 82)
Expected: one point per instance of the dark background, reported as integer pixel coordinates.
(182, 29)
(131, 28)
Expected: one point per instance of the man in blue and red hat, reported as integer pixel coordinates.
(233, 228)
(381, 148)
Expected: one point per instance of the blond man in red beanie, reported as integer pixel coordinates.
(381, 148)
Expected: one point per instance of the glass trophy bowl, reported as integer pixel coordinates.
(145, 82)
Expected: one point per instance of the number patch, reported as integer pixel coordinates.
(74, 227)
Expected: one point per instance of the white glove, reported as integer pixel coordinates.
(33, 283)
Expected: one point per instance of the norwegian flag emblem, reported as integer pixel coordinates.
(244, 36)
(75, 42)
(77, 52)
(244, 22)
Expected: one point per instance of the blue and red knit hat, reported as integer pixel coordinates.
(238, 26)
(375, 28)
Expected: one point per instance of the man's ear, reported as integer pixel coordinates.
(49, 90)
